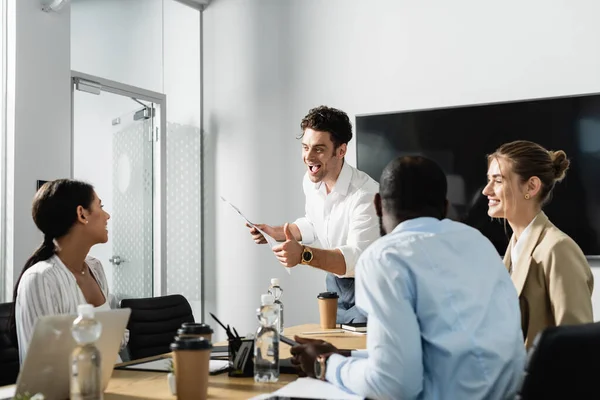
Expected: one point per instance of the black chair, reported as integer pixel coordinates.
(561, 364)
(9, 351)
(154, 322)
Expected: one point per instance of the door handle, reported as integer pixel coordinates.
(116, 260)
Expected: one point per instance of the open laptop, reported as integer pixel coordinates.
(47, 366)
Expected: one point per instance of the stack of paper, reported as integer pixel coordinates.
(308, 388)
(164, 365)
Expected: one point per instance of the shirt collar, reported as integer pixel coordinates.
(342, 184)
(415, 224)
(526, 232)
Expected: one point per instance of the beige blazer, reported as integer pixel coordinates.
(553, 279)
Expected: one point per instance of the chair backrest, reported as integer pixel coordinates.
(561, 364)
(154, 322)
(9, 350)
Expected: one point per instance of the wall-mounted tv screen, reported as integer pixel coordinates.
(459, 139)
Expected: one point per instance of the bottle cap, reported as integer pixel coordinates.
(267, 300)
(85, 310)
(190, 343)
(274, 282)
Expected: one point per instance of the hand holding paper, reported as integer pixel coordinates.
(260, 233)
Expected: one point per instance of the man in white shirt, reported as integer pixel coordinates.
(443, 314)
(340, 214)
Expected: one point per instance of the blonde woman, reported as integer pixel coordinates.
(550, 272)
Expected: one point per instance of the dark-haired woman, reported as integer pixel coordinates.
(60, 275)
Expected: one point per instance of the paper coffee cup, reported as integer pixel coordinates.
(192, 329)
(191, 361)
(328, 302)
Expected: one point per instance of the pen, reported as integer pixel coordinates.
(229, 334)
(237, 337)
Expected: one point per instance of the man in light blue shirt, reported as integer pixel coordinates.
(443, 314)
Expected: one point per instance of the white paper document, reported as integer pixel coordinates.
(309, 388)
(8, 392)
(270, 240)
(164, 365)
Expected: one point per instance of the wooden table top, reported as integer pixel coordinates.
(132, 385)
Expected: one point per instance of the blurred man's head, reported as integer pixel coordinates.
(410, 187)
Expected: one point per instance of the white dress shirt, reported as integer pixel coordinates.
(517, 247)
(443, 318)
(344, 219)
(49, 288)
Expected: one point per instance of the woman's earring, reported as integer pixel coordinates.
(86, 221)
(526, 197)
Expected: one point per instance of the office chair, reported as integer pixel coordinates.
(561, 364)
(9, 350)
(154, 322)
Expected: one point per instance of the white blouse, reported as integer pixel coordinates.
(517, 248)
(49, 288)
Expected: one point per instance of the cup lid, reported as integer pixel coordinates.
(194, 328)
(328, 295)
(190, 343)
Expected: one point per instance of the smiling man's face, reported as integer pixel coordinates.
(320, 155)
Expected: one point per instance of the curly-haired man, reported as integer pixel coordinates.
(340, 220)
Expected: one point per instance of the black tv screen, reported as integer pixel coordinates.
(459, 139)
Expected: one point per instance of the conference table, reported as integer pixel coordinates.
(132, 385)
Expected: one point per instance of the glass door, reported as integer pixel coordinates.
(131, 169)
(116, 148)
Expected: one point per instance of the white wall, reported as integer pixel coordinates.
(252, 159)
(119, 40)
(4, 279)
(181, 63)
(39, 125)
(268, 61)
(181, 80)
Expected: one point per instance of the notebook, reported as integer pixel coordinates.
(355, 327)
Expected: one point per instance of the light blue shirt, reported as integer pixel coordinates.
(443, 318)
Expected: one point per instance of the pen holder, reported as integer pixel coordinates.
(241, 353)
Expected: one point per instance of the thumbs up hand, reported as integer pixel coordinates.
(289, 253)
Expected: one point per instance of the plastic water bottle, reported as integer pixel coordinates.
(276, 291)
(266, 343)
(86, 370)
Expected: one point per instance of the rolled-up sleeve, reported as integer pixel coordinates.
(392, 368)
(307, 229)
(363, 230)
